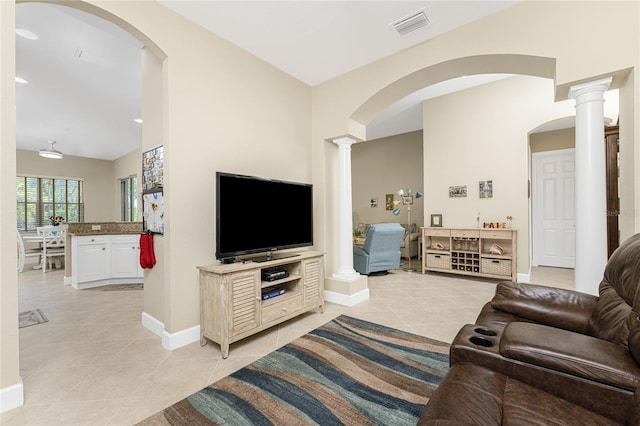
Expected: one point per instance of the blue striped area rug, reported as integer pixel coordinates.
(348, 371)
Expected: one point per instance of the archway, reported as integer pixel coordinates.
(13, 397)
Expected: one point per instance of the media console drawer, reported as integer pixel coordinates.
(278, 309)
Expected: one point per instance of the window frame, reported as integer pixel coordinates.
(33, 208)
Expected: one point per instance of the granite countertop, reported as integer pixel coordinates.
(88, 228)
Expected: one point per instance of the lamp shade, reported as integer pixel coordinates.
(396, 211)
(419, 194)
(51, 152)
(401, 192)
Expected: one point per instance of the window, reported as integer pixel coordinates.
(129, 199)
(40, 197)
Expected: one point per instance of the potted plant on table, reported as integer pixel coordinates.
(56, 220)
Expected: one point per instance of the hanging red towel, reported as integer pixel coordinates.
(147, 256)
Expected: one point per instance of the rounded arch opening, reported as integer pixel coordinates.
(472, 65)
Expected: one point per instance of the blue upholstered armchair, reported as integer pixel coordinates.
(381, 250)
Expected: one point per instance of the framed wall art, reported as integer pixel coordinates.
(388, 202)
(486, 188)
(153, 212)
(436, 220)
(152, 164)
(457, 191)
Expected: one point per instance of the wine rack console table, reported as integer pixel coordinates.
(466, 251)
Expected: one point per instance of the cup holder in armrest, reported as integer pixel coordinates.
(481, 341)
(485, 331)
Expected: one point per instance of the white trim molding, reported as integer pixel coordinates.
(170, 341)
(11, 397)
(346, 299)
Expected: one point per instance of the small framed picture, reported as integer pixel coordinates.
(457, 191)
(374, 202)
(407, 199)
(486, 188)
(436, 220)
(388, 202)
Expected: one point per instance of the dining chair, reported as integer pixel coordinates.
(24, 253)
(53, 240)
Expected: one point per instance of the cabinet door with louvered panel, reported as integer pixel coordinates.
(313, 282)
(245, 301)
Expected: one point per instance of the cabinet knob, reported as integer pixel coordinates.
(104, 248)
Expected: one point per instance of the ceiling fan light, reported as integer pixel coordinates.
(51, 152)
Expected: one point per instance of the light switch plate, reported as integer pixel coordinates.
(95, 227)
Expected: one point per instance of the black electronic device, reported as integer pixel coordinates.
(272, 275)
(261, 215)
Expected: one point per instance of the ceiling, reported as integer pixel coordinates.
(84, 74)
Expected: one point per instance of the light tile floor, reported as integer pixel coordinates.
(94, 364)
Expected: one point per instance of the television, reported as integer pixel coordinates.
(261, 215)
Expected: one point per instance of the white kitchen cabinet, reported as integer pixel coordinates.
(125, 256)
(98, 260)
(92, 259)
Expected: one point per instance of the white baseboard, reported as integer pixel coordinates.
(523, 278)
(11, 397)
(152, 324)
(346, 299)
(181, 338)
(171, 341)
(67, 281)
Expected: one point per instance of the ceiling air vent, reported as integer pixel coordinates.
(410, 23)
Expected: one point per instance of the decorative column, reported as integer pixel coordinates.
(590, 185)
(345, 240)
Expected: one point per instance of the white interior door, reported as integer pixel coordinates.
(553, 202)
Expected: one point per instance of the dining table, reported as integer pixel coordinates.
(41, 240)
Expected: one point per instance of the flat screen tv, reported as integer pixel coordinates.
(261, 215)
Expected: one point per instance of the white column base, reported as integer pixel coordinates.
(346, 299)
(11, 397)
(171, 341)
(347, 292)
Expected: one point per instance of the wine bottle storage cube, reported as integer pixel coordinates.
(470, 251)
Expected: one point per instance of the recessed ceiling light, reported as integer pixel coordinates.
(138, 120)
(25, 33)
(21, 80)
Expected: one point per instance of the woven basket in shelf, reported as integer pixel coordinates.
(440, 261)
(496, 267)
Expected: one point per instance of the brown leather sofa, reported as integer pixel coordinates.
(575, 347)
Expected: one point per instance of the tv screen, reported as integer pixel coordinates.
(260, 215)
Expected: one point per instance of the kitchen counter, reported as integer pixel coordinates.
(104, 228)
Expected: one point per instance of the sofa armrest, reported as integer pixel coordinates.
(571, 353)
(557, 307)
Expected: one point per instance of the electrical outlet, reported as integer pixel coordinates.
(95, 227)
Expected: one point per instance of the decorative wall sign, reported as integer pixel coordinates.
(152, 164)
(457, 191)
(486, 189)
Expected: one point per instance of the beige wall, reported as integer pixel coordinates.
(384, 166)
(552, 140)
(10, 382)
(564, 50)
(482, 134)
(223, 109)
(99, 187)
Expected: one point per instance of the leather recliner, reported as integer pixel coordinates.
(575, 346)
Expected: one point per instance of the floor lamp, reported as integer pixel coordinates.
(407, 200)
